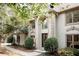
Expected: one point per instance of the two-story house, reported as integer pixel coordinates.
(63, 24)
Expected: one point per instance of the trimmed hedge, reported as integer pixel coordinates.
(51, 45)
(29, 43)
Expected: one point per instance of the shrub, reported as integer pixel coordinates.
(51, 45)
(11, 39)
(76, 52)
(29, 43)
(66, 52)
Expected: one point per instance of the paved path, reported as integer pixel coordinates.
(22, 53)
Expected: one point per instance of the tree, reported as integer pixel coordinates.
(18, 15)
(8, 24)
(28, 10)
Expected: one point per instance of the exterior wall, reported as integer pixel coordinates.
(61, 32)
(22, 39)
(75, 31)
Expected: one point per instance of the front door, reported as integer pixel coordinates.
(18, 39)
(73, 41)
(44, 37)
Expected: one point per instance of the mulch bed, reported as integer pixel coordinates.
(22, 48)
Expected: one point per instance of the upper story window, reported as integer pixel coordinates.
(72, 17)
(76, 16)
(44, 25)
(69, 18)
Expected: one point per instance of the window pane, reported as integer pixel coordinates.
(76, 41)
(69, 37)
(76, 37)
(68, 44)
(76, 16)
(44, 25)
(69, 40)
(68, 18)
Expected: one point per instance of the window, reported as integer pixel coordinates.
(76, 37)
(72, 17)
(69, 18)
(69, 40)
(73, 41)
(76, 16)
(44, 25)
(44, 37)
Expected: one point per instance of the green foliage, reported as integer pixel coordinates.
(29, 43)
(8, 23)
(20, 10)
(76, 52)
(28, 10)
(8, 28)
(24, 30)
(42, 18)
(11, 39)
(51, 44)
(66, 52)
(14, 21)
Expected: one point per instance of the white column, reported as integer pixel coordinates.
(54, 24)
(29, 31)
(15, 36)
(51, 26)
(38, 34)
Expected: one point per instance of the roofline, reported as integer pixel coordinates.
(68, 7)
(71, 9)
